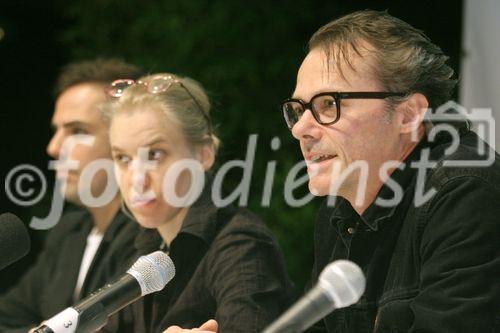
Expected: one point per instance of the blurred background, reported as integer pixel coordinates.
(245, 53)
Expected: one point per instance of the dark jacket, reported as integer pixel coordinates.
(431, 266)
(48, 286)
(228, 267)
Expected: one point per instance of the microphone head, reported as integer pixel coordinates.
(343, 281)
(153, 272)
(14, 239)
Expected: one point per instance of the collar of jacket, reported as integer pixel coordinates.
(85, 222)
(199, 222)
(201, 218)
(119, 220)
(375, 215)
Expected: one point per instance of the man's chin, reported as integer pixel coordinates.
(321, 188)
(317, 189)
(70, 194)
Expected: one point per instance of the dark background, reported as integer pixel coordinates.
(245, 53)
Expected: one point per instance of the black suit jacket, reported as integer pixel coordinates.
(228, 267)
(430, 266)
(48, 286)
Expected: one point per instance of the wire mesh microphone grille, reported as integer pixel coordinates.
(153, 272)
(343, 281)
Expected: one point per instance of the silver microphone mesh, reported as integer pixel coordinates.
(153, 272)
(343, 282)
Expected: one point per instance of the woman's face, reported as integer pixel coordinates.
(145, 145)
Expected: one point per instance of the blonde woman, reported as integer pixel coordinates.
(228, 265)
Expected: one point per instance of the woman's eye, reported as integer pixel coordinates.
(121, 159)
(155, 154)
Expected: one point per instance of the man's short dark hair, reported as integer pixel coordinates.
(100, 71)
(404, 58)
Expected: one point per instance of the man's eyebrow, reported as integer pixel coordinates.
(70, 124)
(75, 123)
(295, 96)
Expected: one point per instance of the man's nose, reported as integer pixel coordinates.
(305, 127)
(54, 146)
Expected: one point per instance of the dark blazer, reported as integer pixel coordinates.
(49, 285)
(430, 266)
(228, 267)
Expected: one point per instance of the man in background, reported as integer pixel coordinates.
(90, 245)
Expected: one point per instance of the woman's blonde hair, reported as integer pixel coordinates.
(182, 100)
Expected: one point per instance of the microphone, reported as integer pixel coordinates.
(149, 274)
(14, 239)
(340, 284)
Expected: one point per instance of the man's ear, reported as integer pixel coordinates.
(413, 112)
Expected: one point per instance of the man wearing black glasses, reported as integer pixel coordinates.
(424, 231)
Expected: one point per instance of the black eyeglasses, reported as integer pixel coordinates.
(325, 107)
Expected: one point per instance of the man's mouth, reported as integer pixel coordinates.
(321, 158)
(316, 158)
